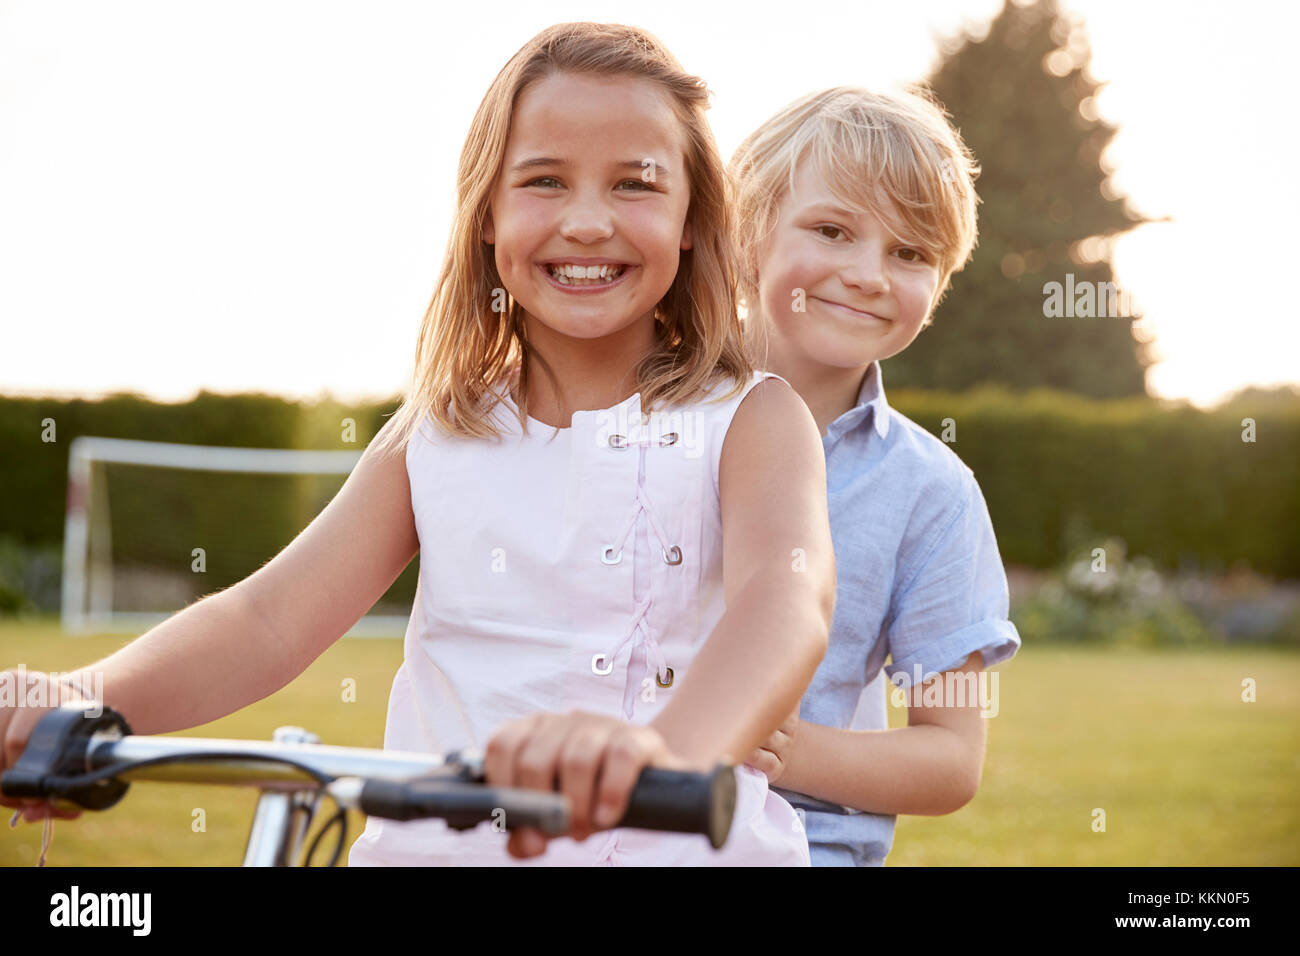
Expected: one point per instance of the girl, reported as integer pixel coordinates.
(575, 615)
(858, 209)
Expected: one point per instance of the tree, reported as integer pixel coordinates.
(1025, 104)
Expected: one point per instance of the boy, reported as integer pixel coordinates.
(857, 209)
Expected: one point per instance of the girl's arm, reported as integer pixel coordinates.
(779, 578)
(932, 766)
(239, 645)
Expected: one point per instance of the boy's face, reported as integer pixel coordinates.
(836, 287)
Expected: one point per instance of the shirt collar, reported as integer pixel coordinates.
(871, 404)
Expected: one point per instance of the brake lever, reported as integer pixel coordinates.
(470, 763)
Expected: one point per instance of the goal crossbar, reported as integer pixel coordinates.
(86, 450)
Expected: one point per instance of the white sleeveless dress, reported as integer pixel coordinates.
(558, 572)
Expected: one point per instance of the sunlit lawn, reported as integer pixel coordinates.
(1187, 773)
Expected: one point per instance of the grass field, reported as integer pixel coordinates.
(1187, 773)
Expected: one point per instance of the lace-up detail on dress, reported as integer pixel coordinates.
(640, 633)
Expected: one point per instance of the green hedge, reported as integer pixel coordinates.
(240, 520)
(33, 483)
(1177, 484)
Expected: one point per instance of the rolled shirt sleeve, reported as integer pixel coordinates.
(954, 601)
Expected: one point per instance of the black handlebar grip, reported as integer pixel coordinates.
(675, 801)
(684, 802)
(464, 805)
(56, 747)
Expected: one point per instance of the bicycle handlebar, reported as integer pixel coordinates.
(67, 746)
(671, 800)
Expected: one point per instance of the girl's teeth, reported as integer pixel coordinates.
(585, 275)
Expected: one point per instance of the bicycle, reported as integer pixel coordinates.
(79, 761)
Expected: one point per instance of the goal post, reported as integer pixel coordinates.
(150, 527)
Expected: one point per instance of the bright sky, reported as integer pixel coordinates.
(255, 195)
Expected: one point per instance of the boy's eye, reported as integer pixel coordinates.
(824, 229)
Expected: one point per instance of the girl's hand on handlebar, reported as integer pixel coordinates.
(17, 721)
(592, 759)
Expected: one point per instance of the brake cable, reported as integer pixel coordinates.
(61, 785)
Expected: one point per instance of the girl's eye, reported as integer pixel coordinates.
(549, 182)
(823, 230)
(909, 254)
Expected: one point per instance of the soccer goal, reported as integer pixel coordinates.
(151, 527)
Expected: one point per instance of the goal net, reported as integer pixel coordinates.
(151, 527)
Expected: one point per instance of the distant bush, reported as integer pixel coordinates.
(29, 577)
(1101, 596)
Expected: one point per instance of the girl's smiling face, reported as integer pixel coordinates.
(594, 182)
(866, 292)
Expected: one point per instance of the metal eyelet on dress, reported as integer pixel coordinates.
(605, 559)
(673, 555)
(617, 441)
(669, 439)
(661, 682)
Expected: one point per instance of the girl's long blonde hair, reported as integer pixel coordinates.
(473, 334)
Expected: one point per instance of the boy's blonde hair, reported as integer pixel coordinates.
(465, 348)
(900, 144)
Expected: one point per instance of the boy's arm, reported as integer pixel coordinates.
(931, 766)
(951, 604)
(779, 578)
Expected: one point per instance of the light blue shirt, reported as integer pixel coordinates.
(919, 580)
